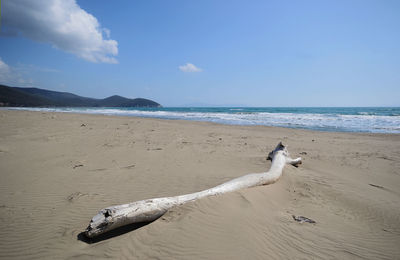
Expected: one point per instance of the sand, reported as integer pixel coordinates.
(57, 170)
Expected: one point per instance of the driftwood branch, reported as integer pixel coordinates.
(151, 209)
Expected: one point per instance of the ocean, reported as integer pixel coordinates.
(335, 119)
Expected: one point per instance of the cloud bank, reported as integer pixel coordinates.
(189, 67)
(12, 77)
(63, 24)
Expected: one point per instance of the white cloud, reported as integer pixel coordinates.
(189, 67)
(107, 32)
(4, 69)
(12, 77)
(63, 24)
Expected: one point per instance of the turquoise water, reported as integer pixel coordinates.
(341, 119)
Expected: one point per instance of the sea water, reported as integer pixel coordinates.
(340, 119)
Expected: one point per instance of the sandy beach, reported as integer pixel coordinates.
(57, 170)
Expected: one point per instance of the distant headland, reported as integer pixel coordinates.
(36, 97)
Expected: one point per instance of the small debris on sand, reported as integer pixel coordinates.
(302, 219)
(74, 196)
(128, 167)
(78, 165)
(376, 186)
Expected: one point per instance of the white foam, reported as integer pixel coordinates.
(327, 122)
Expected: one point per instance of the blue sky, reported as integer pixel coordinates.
(250, 53)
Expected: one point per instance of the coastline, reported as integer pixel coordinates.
(327, 119)
(59, 169)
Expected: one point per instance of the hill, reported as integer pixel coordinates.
(36, 97)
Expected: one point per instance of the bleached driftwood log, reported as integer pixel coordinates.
(151, 209)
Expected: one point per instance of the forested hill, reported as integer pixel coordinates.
(36, 97)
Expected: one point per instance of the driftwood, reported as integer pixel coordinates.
(151, 209)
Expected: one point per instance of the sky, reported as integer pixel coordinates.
(208, 52)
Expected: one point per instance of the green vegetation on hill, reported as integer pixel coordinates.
(35, 97)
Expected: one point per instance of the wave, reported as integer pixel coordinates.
(357, 122)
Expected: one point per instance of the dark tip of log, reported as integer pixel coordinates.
(110, 234)
(279, 147)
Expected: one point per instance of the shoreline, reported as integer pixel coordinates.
(58, 170)
(201, 121)
(369, 120)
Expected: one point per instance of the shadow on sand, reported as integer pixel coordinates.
(110, 234)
